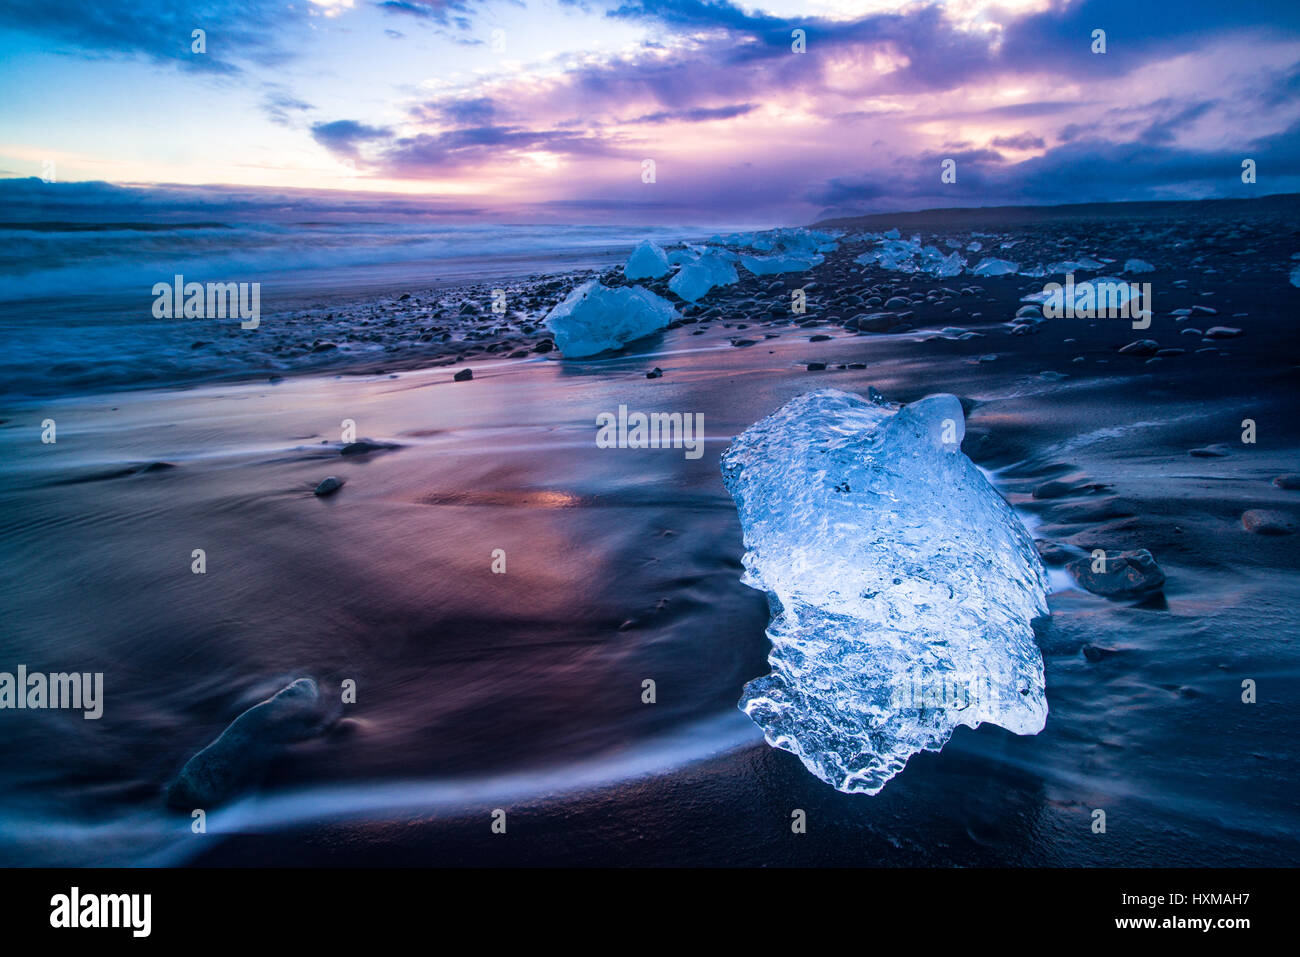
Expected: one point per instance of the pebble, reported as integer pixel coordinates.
(329, 485)
(1126, 575)
(1263, 521)
(1141, 347)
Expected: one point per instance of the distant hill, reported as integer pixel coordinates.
(995, 216)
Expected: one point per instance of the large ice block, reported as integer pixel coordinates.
(902, 585)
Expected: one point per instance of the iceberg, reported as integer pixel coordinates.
(646, 262)
(595, 318)
(902, 585)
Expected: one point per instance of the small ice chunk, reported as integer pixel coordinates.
(1092, 296)
(1138, 265)
(902, 585)
(769, 265)
(594, 318)
(647, 261)
(991, 266)
(695, 279)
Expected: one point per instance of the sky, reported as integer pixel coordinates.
(546, 110)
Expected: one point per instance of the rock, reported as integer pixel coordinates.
(1222, 332)
(464, 375)
(1262, 521)
(816, 366)
(819, 338)
(1051, 553)
(1291, 480)
(329, 486)
(1096, 653)
(1053, 489)
(654, 373)
(1126, 575)
(1142, 347)
(244, 749)
(363, 446)
(877, 322)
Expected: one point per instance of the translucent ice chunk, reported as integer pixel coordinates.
(594, 318)
(996, 267)
(1138, 265)
(908, 255)
(647, 261)
(1091, 296)
(768, 265)
(691, 282)
(902, 585)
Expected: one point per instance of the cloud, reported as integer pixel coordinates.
(430, 153)
(279, 105)
(443, 12)
(1021, 141)
(238, 31)
(698, 114)
(344, 136)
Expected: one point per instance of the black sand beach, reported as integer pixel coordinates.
(522, 691)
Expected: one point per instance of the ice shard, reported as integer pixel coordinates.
(902, 585)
